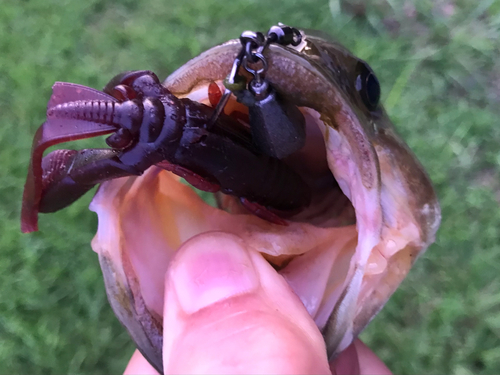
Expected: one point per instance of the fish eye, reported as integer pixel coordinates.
(368, 86)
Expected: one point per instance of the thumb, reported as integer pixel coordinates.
(228, 311)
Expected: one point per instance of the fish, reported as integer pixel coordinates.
(373, 210)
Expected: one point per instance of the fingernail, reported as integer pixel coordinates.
(212, 268)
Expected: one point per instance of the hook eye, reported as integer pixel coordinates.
(258, 57)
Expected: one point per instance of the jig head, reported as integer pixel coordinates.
(278, 128)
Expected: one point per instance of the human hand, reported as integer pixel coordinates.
(228, 311)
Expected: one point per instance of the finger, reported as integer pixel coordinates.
(138, 365)
(346, 363)
(369, 362)
(228, 311)
(357, 358)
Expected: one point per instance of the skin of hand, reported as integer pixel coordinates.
(227, 311)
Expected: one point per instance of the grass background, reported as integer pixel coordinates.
(439, 65)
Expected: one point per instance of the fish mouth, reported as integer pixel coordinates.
(323, 253)
(343, 256)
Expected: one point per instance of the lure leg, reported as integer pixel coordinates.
(68, 174)
(262, 212)
(131, 84)
(192, 178)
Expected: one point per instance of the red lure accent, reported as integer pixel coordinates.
(214, 93)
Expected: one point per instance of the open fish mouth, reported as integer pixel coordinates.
(373, 210)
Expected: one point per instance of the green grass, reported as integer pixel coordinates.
(438, 62)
